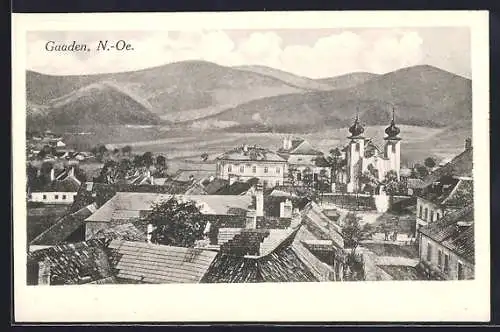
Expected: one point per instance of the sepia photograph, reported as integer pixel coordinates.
(250, 156)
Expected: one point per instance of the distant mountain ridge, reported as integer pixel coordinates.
(247, 98)
(422, 95)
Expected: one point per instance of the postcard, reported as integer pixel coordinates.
(267, 167)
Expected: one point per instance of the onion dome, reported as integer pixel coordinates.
(356, 129)
(392, 131)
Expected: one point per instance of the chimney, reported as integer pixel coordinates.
(468, 143)
(286, 209)
(44, 272)
(251, 220)
(149, 232)
(245, 148)
(259, 200)
(52, 174)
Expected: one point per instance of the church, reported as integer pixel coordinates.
(362, 155)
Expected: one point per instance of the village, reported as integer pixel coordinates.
(289, 214)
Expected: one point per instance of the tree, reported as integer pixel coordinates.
(307, 177)
(147, 159)
(351, 231)
(204, 156)
(336, 163)
(391, 184)
(420, 171)
(176, 223)
(161, 161)
(429, 162)
(32, 174)
(127, 149)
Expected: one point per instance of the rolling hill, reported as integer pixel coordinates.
(289, 78)
(347, 80)
(165, 91)
(422, 95)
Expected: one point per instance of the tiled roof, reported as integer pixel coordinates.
(130, 231)
(320, 225)
(459, 239)
(68, 184)
(153, 263)
(415, 183)
(74, 263)
(64, 227)
(186, 174)
(226, 234)
(461, 165)
(439, 192)
(131, 204)
(212, 187)
(237, 188)
(286, 263)
(252, 154)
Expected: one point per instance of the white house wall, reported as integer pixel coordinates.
(53, 197)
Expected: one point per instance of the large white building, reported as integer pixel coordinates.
(246, 162)
(363, 155)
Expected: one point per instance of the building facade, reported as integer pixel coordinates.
(362, 155)
(446, 247)
(244, 163)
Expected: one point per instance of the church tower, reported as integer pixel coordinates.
(392, 148)
(355, 155)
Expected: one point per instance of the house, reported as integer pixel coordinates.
(362, 155)
(73, 264)
(446, 247)
(301, 158)
(287, 260)
(128, 206)
(446, 189)
(246, 162)
(61, 190)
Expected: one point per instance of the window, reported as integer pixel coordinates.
(242, 169)
(432, 215)
(277, 182)
(254, 169)
(357, 146)
(446, 263)
(230, 168)
(429, 252)
(437, 216)
(299, 176)
(74, 196)
(56, 196)
(265, 183)
(440, 258)
(266, 169)
(420, 212)
(460, 270)
(63, 196)
(393, 148)
(426, 213)
(278, 170)
(44, 197)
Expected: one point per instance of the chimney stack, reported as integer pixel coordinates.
(259, 200)
(44, 272)
(52, 174)
(468, 143)
(149, 232)
(286, 209)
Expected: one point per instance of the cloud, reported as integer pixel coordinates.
(333, 55)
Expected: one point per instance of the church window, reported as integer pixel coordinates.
(426, 213)
(229, 168)
(393, 148)
(357, 146)
(432, 215)
(420, 212)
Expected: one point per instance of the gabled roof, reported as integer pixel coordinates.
(68, 184)
(130, 231)
(252, 153)
(460, 166)
(64, 227)
(153, 263)
(283, 264)
(449, 191)
(74, 263)
(447, 232)
(237, 188)
(127, 205)
(302, 147)
(320, 225)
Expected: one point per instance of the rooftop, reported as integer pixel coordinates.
(251, 153)
(153, 263)
(460, 166)
(448, 232)
(129, 205)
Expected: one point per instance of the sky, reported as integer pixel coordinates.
(313, 53)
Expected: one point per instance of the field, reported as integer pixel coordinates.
(180, 145)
